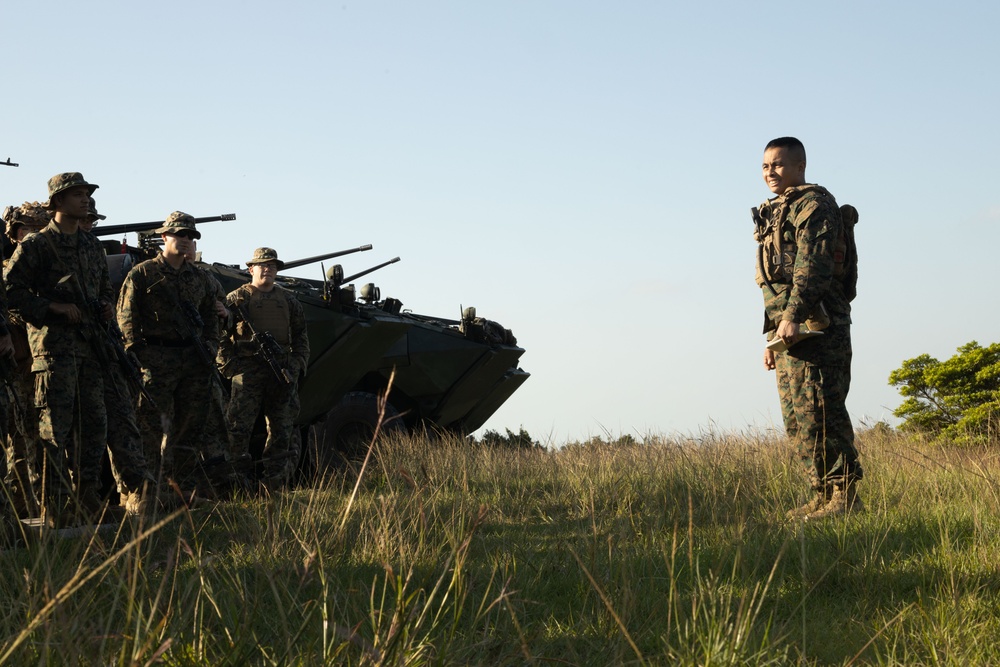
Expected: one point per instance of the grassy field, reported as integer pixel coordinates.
(665, 552)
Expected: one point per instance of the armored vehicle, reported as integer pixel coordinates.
(442, 375)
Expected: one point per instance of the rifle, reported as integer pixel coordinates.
(196, 326)
(267, 347)
(91, 311)
(9, 163)
(125, 361)
(319, 258)
(114, 230)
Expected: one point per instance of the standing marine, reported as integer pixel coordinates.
(265, 353)
(57, 282)
(166, 310)
(22, 444)
(806, 270)
(125, 449)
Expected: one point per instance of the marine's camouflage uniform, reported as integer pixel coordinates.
(69, 380)
(814, 375)
(22, 446)
(215, 441)
(125, 443)
(163, 338)
(256, 388)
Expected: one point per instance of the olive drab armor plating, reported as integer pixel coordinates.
(269, 312)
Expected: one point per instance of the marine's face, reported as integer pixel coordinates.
(782, 170)
(74, 202)
(263, 275)
(26, 229)
(178, 245)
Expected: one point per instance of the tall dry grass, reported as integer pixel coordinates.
(666, 551)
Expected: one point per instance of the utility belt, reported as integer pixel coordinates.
(169, 342)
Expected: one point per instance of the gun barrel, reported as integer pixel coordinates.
(9, 163)
(367, 271)
(114, 230)
(319, 258)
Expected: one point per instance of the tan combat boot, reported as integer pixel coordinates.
(820, 498)
(845, 500)
(137, 504)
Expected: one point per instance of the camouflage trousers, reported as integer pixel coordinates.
(22, 445)
(179, 383)
(813, 378)
(72, 426)
(125, 448)
(255, 389)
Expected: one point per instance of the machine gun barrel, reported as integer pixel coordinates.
(319, 258)
(367, 271)
(9, 163)
(114, 230)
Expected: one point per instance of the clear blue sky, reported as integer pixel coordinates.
(581, 172)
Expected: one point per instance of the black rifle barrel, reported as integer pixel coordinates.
(367, 271)
(113, 230)
(319, 258)
(9, 163)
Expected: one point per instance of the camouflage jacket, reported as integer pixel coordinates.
(151, 304)
(36, 276)
(236, 342)
(796, 252)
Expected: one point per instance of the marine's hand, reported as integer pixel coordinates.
(788, 332)
(220, 310)
(768, 359)
(107, 311)
(66, 311)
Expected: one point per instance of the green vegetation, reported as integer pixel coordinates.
(957, 399)
(660, 552)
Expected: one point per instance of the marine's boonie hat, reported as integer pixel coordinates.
(65, 181)
(92, 211)
(178, 222)
(265, 255)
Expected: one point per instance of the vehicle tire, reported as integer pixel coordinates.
(340, 442)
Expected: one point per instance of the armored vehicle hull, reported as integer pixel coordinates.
(440, 375)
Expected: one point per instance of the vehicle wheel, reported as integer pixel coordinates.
(341, 441)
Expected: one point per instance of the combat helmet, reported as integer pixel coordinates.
(28, 213)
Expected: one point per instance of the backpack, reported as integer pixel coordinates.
(845, 253)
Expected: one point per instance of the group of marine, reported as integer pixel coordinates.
(167, 376)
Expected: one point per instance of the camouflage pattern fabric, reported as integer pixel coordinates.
(255, 388)
(801, 271)
(163, 338)
(69, 381)
(214, 437)
(814, 375)
(125, 445)
(179, 384)
(21, 447)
